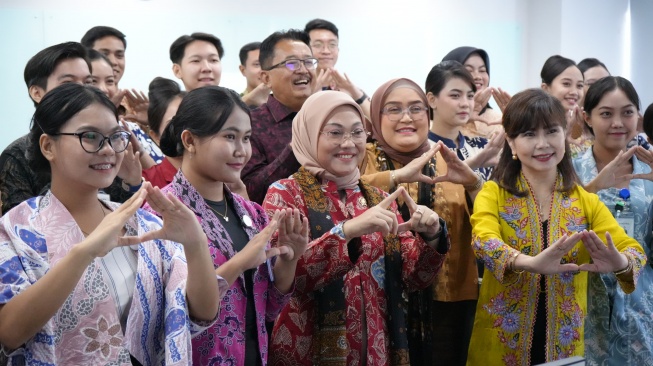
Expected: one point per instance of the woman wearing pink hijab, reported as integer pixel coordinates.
(348, 304)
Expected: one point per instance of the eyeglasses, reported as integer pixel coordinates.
(338, 137)
(332, 46)
(396, 113)
(294, 64)
(92, 141)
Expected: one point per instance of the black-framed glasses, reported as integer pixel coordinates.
(92, 141)
(294, 64)
(396, 113)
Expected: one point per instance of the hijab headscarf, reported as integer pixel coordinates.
(461, 54)
(378, 100)
(306, 127)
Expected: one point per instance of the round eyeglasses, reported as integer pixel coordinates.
(92, 141)
(338, 137)
(396, 113)
(295, 64)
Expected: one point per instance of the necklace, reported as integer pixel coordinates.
(104, 214)
(226, 209)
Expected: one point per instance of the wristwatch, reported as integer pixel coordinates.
(130, 188)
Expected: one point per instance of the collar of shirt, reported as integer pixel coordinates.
(278, 111)
(448, 142)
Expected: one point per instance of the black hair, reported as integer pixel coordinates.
(252, 46)
(648, 122)
(589, 63)
(41, 65)
(203, 112)
(100, 32)
(56, 108)
(529, 110)
(321, 24)
(162, 91)
(461, 54)
(440, 75)
(266, 54)
(554, 66)
(605, 85)
(94, 55)
(178, 47)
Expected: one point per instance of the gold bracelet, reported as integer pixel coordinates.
(475, 186)
(393, 177)
(628, 268)
(511, 265)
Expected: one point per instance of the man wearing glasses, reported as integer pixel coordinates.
(288, 69)
(324, 40)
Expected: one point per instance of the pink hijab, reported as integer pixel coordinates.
(306, 127)
(378, 100)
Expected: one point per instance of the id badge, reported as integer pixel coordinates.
(628, 224)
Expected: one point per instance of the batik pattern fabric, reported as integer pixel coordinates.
(465, 147)
(224, 342)
(86, 329)
(328, 259)
(504, 225)
(619, 330)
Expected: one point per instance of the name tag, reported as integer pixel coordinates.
(628, 223)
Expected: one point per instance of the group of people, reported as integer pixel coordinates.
(303, 222)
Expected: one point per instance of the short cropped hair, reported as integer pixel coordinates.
(102, 31)
(252, 46)
(321, 24)
(178, 47)
(266, 54)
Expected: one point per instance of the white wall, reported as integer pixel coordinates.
(379, 39)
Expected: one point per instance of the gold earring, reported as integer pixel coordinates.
(514, 157)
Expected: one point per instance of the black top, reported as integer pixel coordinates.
(538, 347)
(239, 239)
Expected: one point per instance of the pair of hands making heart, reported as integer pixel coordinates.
(380, 219)
(181, 225)
(619, 170)
(458, 172)
(605, 257)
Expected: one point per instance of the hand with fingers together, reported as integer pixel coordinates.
(139, 103)
(489, 155)
(423, 220)
(322, 78)
(646, 157)
(613, 173)
(481, 98)
(548, 261)
(458, 171)
(293, 234)
(501, 97)
(375, 219)
(108, 234)
(179, 222)
(605, 256)
(136, 147)
(412, 172)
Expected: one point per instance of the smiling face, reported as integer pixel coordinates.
(613, 120)
(221, 157)
(71, 70)
(476, 66)
(453, 106)
(114, 49)
(410, 131)
(341, 159)
(568, 87)
(74, 166)
(324, 44)
(539, 150)
(290, 88)
(102, 77)
(200, 66)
